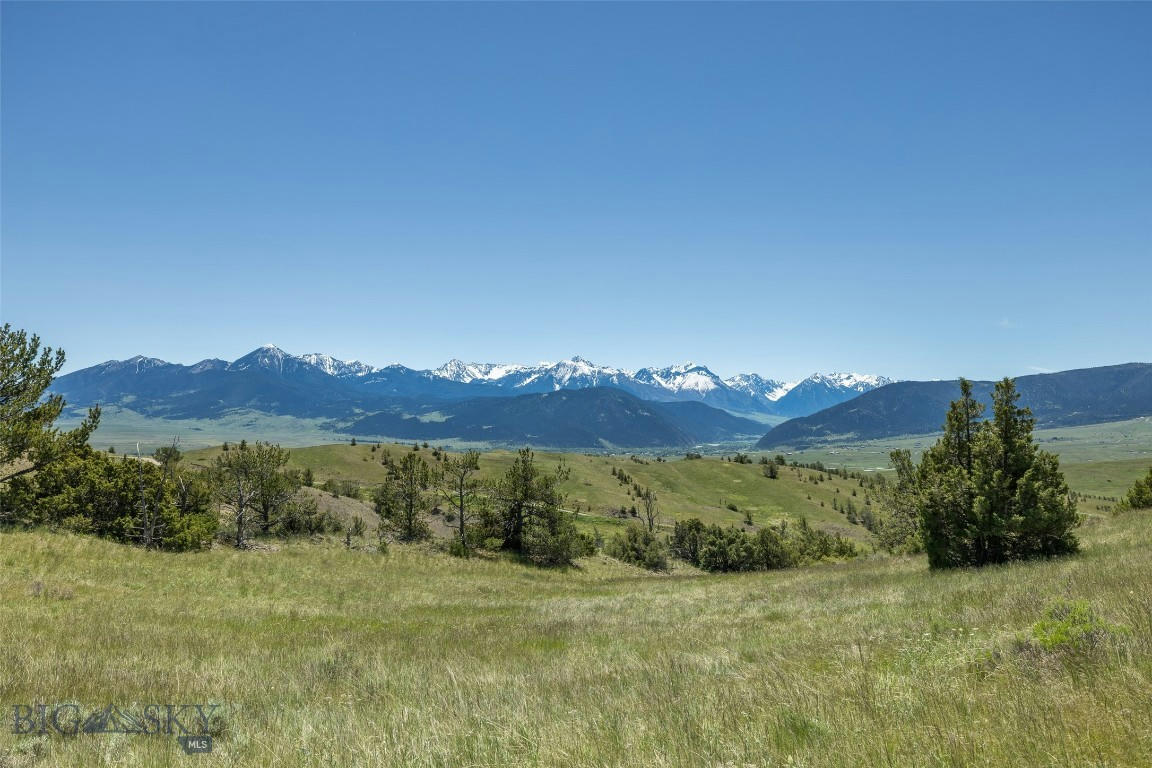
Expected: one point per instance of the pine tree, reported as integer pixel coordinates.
(1139, 496)
(404, 499)
(461, 489)
(28, 441)
(946, 492)
(985, 493)
(530, 518)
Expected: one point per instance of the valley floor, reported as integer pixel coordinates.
(321, 656)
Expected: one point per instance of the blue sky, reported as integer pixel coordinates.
(917, 190)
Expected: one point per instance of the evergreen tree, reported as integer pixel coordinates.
(1139, 496)
(28, 441)
(946, 492)
(984, 492)
(405, 498)
(276, 488)
(461, 489)
(235, 478)
(898, 529)
(530, 518)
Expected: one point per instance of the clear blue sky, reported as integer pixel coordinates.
(917, 190)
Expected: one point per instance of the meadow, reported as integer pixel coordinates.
(702, 488)
(323, 655)
(1111, 441)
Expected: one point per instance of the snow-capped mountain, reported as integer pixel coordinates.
(573, 373)
(859, 382)
(800, 398)
(334, 367)
(688, 377)
(328, 379)
(458, 370)
(759, 387)
(271, 358)
(820, 391)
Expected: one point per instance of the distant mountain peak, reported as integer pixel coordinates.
(458, 370)
(861, 382)
(758, 386)
(688, 377)
(335, 367)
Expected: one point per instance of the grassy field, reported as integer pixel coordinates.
(1115, 441)
(686, 488)
(321, 656)
(122, 428)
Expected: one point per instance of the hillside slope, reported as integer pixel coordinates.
(597, 418)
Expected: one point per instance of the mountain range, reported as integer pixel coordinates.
(270, 379)
(570, 404)
(577, 404)
(1068, 398)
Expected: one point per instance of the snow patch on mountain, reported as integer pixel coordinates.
(458, 370)
(334, 367)
(688, 377)
(860, 382)
(758, 386)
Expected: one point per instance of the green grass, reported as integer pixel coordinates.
(1110, 479)
(327, 657)
(1114, 441)
(123, 428)
(698, 488)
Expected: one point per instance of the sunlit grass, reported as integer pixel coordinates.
(328, 657)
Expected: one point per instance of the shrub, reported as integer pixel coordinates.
(713, 548)
(638, 546)
(1139, 496)
(1072, 627)
(685, 541)
(124, 500)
